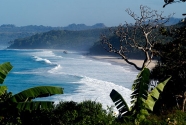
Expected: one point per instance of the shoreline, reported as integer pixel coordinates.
(119, 61)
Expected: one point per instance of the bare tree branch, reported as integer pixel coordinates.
(146, 26)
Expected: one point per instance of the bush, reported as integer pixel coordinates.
(84, 113)
(174, 117)
(65, 113)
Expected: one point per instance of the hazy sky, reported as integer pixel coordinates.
(89, 12)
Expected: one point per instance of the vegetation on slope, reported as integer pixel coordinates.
(59, 39)
(10, 32)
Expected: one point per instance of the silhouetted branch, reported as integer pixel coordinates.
(146, 26)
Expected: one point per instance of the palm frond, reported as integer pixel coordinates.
(120, 103)
(41, 91)
(4, 70)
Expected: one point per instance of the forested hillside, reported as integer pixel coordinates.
(73, 37)
(98, 49)
(10, 32)
(60, 39)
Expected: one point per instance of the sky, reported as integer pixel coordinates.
(64, 12)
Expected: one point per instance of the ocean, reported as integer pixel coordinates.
(83, 78)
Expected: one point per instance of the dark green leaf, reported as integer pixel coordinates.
(4, 70)
(120, 103)
(35, 105)
(41, 91)
(2, 90)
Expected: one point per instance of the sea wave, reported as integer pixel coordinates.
(55, 69)
(95, 90)
(46, 53)
(47, 61)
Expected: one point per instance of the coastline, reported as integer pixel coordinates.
(119, 61)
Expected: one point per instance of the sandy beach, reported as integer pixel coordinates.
(120, 61)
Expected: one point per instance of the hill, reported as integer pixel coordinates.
(10, 32)
(173, 21)
(59, 39)
(97, 48)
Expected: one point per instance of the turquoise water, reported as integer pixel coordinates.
(81, 77)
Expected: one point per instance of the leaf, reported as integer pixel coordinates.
(4, 70)
(35, 105)
(41, 91)
(161, 85)
(120, 103)
(3, 90)
(153, 96)
(140, 90)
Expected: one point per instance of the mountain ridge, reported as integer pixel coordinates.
(10, 32)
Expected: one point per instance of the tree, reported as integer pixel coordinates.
(172, 61)
(138, 36)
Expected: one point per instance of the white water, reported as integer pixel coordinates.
(97, 79)
(82, 78)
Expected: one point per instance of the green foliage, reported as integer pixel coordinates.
(143, 101)
(66, 113)
(41, 91)
(59, 39)
(84, 113)
(4, 70)
(23, 99)
(177, 117)
(154, 95)
(140, 90)
(3, 90)
(173, 117)
(172, 61)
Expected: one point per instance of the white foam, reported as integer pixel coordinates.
(95, 75)
(55, 69)
(39, 59)
(45, 53)
(95, 90)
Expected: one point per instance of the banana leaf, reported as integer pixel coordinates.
(120, 103)
(153, 96)
(140, 90)
(3, 90)
(41, 91)
(4, 70)
(35, 105)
